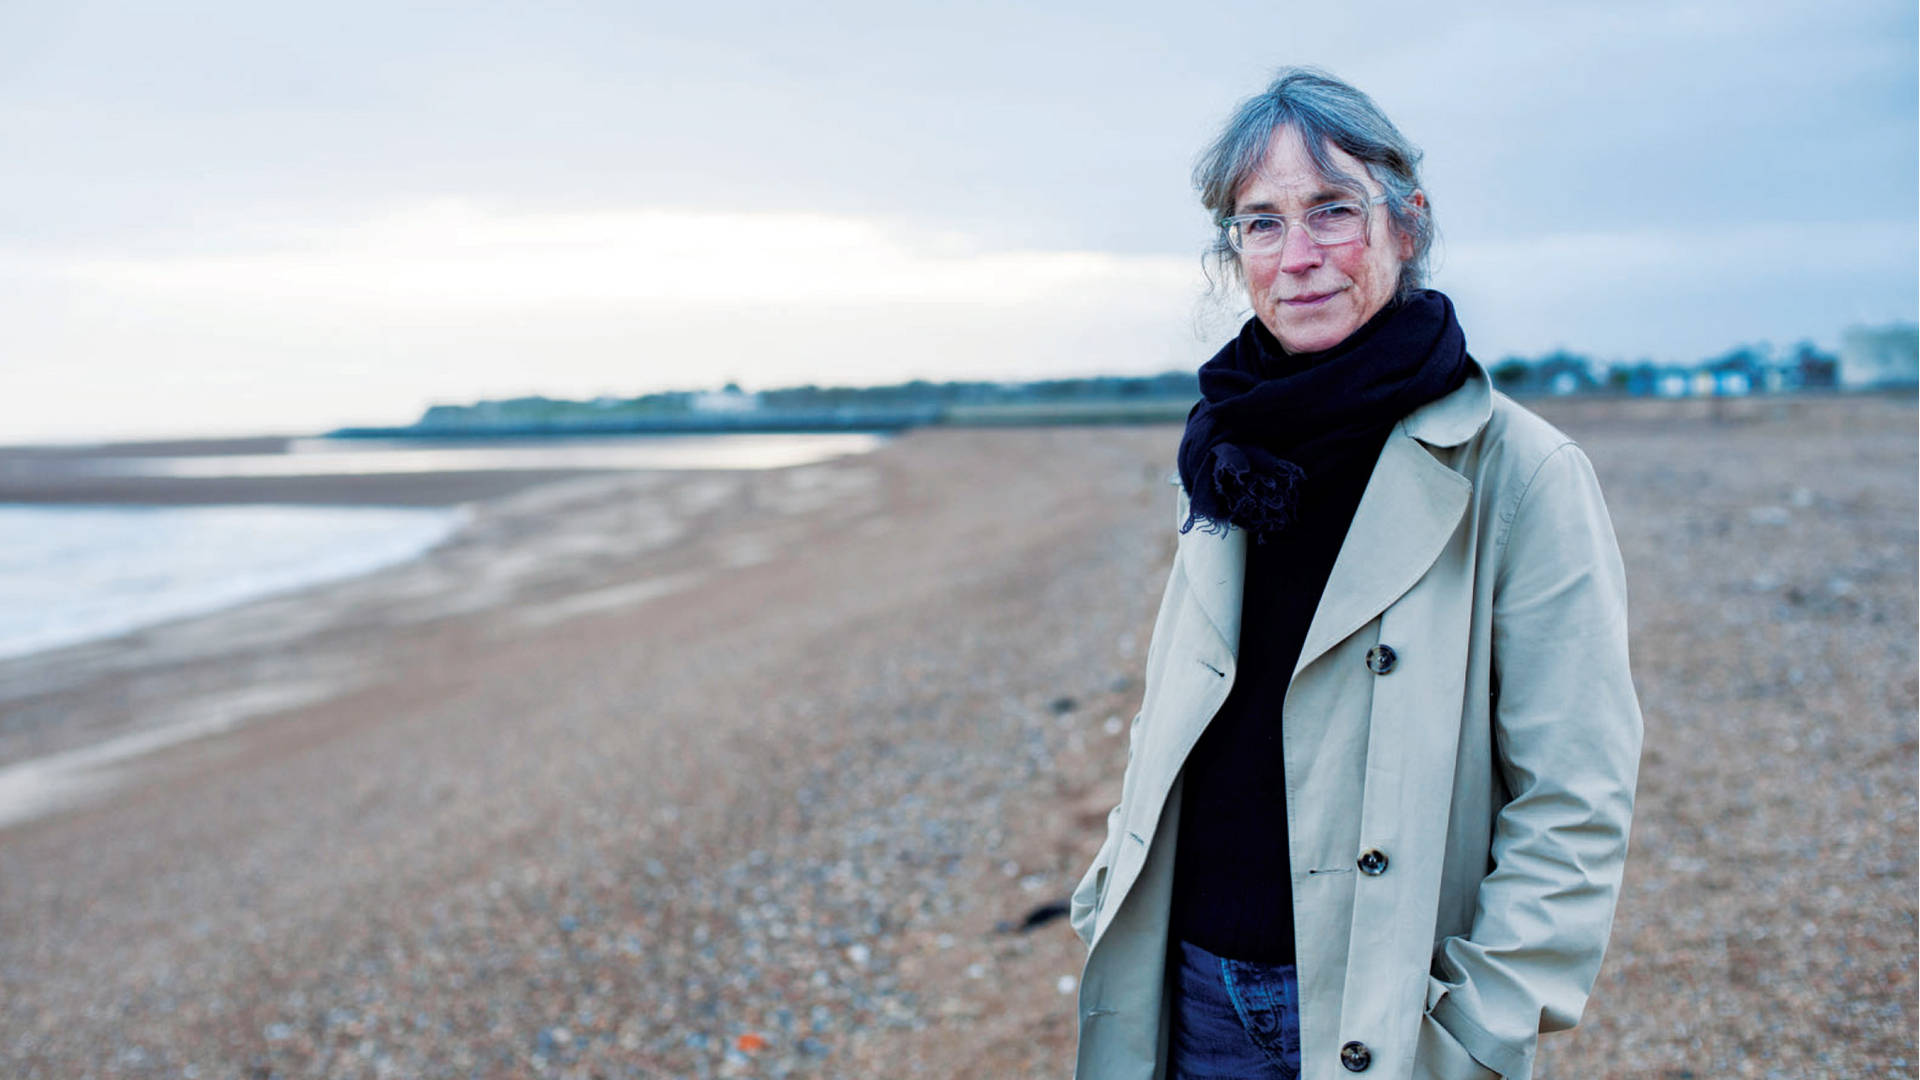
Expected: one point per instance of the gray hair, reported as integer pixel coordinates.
(1324, 110)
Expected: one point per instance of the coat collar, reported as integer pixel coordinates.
(1454, 418)
(1411, 505)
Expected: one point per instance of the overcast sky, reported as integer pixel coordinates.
(244, 217)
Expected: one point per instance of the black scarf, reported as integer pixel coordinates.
(1269, 422)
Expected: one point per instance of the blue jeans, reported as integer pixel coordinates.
(1233, 1019)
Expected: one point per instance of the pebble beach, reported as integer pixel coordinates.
(761, 774)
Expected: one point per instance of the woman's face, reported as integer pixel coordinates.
(1312, 297)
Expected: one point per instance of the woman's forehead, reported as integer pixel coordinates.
(1288, 175)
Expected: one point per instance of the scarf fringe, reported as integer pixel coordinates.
(1263, 502)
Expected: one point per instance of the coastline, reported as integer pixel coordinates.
(45, 475)
(394, 489)
(280, 514)
(738, 774)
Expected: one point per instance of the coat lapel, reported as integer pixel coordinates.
(1216, 569)
(1411, 506)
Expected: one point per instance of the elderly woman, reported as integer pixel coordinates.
(1376, 802)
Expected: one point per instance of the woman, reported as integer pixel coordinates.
(1376, 802)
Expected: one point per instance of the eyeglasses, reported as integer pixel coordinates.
(1332, 223)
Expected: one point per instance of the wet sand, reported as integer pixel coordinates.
(739, 774)
(53, 475)
(443, 489)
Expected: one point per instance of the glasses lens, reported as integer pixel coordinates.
(1336, 223)
(1257, 235)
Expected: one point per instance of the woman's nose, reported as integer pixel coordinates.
(1298, 252)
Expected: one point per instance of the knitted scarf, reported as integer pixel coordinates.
(1269, 422)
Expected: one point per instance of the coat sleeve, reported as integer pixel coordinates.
(1566, 735)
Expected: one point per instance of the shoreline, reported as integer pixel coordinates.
(374, 473)
(58, 478)
(46, 475)
(143, 566)
(445, 489)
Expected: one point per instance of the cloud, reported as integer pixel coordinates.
(305, 327)
(460, 256)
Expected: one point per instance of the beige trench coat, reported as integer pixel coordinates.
(1493, 765)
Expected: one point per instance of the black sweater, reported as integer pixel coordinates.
(1232, 892)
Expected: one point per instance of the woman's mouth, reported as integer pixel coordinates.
(1307, 300)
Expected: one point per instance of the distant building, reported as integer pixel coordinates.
(729, 400)
(1743, 371)
(1873, 357)
(1811, 369)
(1558, 373)
(1648, 379)
(1564, 373)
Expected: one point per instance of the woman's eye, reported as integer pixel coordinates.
(1261, 225)
(1333, 214)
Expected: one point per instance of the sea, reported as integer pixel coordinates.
(71, 574)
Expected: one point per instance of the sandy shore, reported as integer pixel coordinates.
(739, 774)
(56, 475)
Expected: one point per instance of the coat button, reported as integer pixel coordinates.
(1373, 862)
(1380, 659)
(1356, 1057)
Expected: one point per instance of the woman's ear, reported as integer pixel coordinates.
(1419, 201)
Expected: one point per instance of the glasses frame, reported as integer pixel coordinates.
(1230, 225)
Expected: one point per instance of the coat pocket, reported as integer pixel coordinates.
(1437, 1055)
(1084, 906)
(1090, 896)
